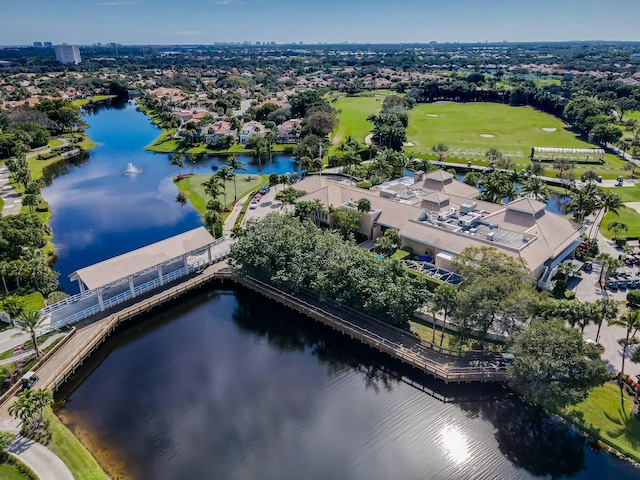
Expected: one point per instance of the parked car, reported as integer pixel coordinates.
(253, 205)
(265, 189)
(257, 197)
(29, 379)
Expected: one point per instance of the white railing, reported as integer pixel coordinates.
(126, 295)
(67, 301)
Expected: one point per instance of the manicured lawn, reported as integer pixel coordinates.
(353, 119)
(627, 194)
(451, 340)
(9, 472)
(33, 301)
(164, 144)
(193, 189)
(626, 215)
(603, 416)
(96, 98)
(55, 142)
(66, 446)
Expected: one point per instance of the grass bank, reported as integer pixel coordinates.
(626, 215)
(192, 187)
(604, 417)
(95, 99)
(69, 449)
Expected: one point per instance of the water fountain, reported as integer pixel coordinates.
(131, 170)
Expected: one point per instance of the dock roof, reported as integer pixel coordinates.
(136, 261)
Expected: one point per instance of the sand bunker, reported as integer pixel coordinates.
(487, 135)
(432, 115)
(549, 129)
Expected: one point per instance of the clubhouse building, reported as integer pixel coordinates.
(438, 217)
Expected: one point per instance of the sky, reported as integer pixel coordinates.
(375, 21)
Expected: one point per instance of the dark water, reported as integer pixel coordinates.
(228, 385)
(98, 212)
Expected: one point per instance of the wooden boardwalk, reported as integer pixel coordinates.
(60, 364)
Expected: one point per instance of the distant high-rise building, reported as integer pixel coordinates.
(37, 44)
(48, 44)
(68, 53)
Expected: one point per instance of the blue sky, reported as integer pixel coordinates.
(384, 21)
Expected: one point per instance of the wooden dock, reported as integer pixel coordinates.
(60, 364)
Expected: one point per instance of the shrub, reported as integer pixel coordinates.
(364, 184)
(569, 295)
(621, 242)
(400, 255)
(633, 297)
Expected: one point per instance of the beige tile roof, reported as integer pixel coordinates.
(135, 261)
(526, 205)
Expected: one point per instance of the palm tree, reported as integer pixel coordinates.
(608, 310)
(270, 139)
(212, 187)
(236, 166)
(608, 266)
(580, 205)
(617, 227)
(444, 298)
(630, 321)
(609, 202)
(24, 408)
(536, 188)
(29, 321)
(225, 174)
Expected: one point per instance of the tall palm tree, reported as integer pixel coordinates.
(444, 299)
(630, 321)
(225, 174)
(237, 166)
(536, 188)
(212, 187)
(608, 310)
(29, 321)
(609, 202)
(270, 139)
(580, 205)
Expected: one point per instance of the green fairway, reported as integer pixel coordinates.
(626, 215)
(461, 126)
(602, 415)
(353, 119)
(193, 189)
(515, 130)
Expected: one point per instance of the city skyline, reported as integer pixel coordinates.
(283, 21)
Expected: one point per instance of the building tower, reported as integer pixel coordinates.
(68, 53)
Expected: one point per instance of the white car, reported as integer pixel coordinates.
(253, 205)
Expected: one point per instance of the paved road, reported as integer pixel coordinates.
(12, 200)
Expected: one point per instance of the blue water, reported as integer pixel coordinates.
(98, 212)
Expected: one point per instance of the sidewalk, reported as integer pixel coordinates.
(27, 354)
(44, 463)
(12, 201)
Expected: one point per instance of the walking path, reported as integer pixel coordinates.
(27, 354)
(45, 464)
(12, 200)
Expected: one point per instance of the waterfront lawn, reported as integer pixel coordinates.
(69, 449)
(603, 416)
(193, 189)
(96, 98)
(626, 215)
(451, 339)
(164, 143)
(353, 119)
